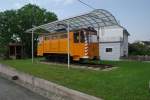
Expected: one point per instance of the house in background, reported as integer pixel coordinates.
(16, 50)
(113, 44)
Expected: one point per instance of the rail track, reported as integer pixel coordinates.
(88, 64)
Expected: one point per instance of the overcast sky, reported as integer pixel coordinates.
(134, 15)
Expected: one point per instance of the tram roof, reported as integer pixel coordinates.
(96, 19)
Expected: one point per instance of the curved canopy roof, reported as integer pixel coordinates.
(96, 19)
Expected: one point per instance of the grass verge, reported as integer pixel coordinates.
(129, 82)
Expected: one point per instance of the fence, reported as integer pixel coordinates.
(138, 58)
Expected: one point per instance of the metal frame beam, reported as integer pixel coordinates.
(98, 14)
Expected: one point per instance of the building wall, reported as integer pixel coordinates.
(126, 43)
(114, 55)
(117, 40)
(111, 32)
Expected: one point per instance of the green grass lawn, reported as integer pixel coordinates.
(129, 82)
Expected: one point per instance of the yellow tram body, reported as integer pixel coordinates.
(80, 47)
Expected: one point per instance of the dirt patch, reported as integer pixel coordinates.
(83, 66)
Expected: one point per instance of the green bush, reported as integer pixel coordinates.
(139, 48)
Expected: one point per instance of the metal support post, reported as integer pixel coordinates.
(68, 30)
(98, 35)
(32, 46)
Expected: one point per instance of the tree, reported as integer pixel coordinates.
(7, 26)
(14, 23)
(28, 16)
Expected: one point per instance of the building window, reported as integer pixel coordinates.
(108, 49)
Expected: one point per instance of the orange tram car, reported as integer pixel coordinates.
(83, 45)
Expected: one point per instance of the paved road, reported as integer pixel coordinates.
(11, 91)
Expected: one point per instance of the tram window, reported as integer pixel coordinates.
(54, 37)
(82, 38)
(40, 39)
(63, 36)
(50, 37)
(76, 37)
(46, 38)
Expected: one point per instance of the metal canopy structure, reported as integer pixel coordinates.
(96, 19)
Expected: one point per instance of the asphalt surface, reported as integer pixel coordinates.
(11, 91)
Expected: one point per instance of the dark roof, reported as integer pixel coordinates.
(126, 32)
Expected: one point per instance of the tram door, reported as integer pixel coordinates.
(78, 44)
(93, 45)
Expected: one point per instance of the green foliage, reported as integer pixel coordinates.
(16, 22)
(129, 82)
(138, 48)
(7, 25)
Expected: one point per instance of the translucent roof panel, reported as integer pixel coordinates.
(96, 19)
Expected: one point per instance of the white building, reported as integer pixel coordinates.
(113, 43)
